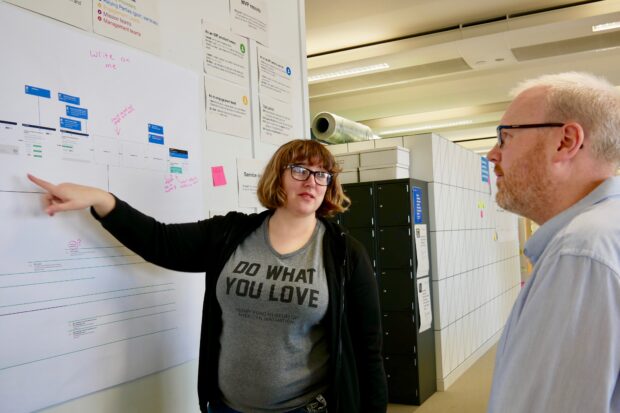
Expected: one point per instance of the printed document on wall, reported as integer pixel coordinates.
(275, 75)
(135, 23)
(421, 250)
(249, 172)
(276, 123)
(225, 55)
(76, 13)
(250, 18)
(228, 108)
(79, 312)
(424, 304)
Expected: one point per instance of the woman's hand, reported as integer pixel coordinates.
(70, 197)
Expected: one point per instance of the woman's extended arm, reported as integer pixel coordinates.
(71, 197)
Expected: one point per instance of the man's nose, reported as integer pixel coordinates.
(494, 154)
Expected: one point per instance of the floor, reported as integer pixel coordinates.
(469, 394)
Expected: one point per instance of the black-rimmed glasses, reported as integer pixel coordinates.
(299, 173)
(500, 128)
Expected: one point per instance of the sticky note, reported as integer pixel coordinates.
(219, 178)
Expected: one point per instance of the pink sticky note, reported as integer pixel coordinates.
(217, 172)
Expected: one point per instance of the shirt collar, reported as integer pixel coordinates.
(535, 246)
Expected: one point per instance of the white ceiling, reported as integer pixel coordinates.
(450, 61)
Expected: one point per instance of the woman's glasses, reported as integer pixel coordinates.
(300, 173)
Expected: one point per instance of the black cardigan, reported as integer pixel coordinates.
(353, 319)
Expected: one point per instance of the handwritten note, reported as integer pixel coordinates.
(173, 182)
(118, 118)
(110, 60)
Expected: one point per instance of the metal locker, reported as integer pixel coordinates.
(393, 204)
(361, 213)
(396, 290)
(399, 332)
(394, 247)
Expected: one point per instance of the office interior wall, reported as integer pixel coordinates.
(474, 252)
(174, 390)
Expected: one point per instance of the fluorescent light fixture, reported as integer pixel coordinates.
(428, 127)
(605, 26)
(348, 72)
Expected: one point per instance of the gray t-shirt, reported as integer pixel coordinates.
(274, 350)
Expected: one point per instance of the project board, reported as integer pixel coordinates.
(78, 311)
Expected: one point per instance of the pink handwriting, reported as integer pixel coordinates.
(111, 60)
(116, 119)
(74, 245)
(173, 182)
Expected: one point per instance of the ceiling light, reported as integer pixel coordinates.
(428, 127)
(348, 72)
(605, 26)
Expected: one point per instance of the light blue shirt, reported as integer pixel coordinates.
(560, 349)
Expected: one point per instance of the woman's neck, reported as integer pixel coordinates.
(288, 233)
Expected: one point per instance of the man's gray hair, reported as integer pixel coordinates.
(591, 101)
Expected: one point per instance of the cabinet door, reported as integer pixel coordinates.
(367, 237)
(361, 211)
(396, 290)
(402, 378)
(399, 332)
(393, 204)
(394, 247)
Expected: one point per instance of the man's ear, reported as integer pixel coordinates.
(571, 143)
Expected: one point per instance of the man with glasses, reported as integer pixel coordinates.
(557, 151)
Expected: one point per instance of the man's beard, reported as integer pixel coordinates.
(525, 189)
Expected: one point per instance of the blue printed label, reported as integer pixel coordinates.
(417, 205)
(178, 153)
(485, 169)
(70, 124)
(37, 91)
(77, 112)
(74, 100)
(156, 139)
(156, 129)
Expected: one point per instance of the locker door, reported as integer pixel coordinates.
(394, 247)
(393, 205)
(402, 378)
(361, 211)
(367, 237)
(397, 290)
(399, 332)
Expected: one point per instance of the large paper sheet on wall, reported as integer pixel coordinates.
(135, 22)
(78, 13)
(78, 311)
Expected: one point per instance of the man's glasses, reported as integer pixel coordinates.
(500, 128)
(300, 173)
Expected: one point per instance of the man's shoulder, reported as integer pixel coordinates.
(599, 220)
(595, 232)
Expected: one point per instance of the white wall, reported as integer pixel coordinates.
(474, 253)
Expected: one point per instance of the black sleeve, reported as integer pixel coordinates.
(365, 320)
(180, 247)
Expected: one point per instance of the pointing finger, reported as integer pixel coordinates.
(48, 186)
